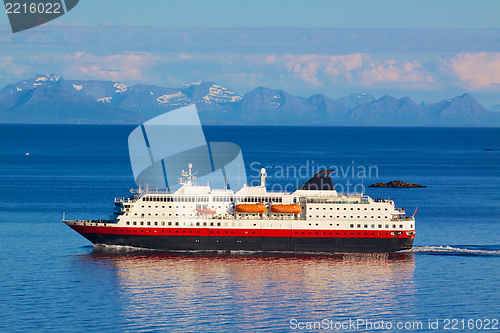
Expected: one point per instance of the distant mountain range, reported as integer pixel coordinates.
(51, 99)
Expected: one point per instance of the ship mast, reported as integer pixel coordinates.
(188, 175)
(263, 176)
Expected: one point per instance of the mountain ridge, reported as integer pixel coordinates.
(52, 99)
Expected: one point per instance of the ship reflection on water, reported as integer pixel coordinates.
(207, 291)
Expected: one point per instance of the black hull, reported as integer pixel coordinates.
(279, 244)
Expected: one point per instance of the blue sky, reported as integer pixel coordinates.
(409, 14)
(428, 50)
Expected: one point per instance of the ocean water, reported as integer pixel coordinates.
(53, 280)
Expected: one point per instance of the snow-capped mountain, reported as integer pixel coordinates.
(52, 99)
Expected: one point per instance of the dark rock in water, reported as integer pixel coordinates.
(492, 149)
(397, 184)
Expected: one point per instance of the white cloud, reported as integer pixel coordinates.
(476, 71)
(7, 64)
(115, 67)
(407, 74)
(318, 70)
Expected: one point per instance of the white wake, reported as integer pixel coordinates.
(480, 250)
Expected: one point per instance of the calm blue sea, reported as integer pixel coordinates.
(53, 280)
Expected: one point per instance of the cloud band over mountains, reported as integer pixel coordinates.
(303, 61)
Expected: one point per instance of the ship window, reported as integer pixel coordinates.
(379, 209)
(163, 223)
(352, 208)
(331, 208)
(218, 224)
(310, 216)
(324, 208)
(411, 225)
(366, 225)
(176, 223)
(149, 223)
(386, 209)
(387, 226)
(345, 208)
(225, 224)
(211, 224)
(142, 223)
(317, 208)
(380, 225)
(373, 225)
(394, 226)
(239, 224)
(372, 209)
(359, 225)
(351, 225)
(365, 208)
(338, 208)
(134, 223)
(401, 226)
(128, 222)
(204, 224)
(135, 214)
(197, 224)
(169, 223)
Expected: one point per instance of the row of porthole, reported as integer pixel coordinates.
(379, 226)
(345, 233)
(324, 208)
(205, 224)
(232, 232)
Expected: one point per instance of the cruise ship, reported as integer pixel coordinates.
(313, 218)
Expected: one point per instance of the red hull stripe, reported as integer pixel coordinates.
(220, 232)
